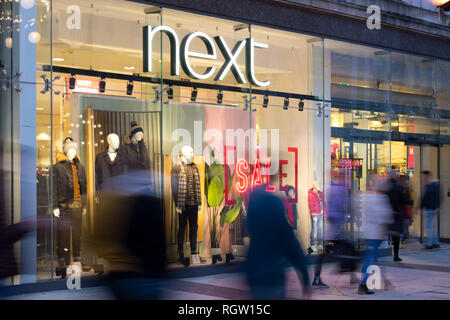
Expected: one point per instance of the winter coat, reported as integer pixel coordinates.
(376, 214)
(63, 181)
(105, 169)
(315, 201)
(272, 242)
(431, 197)
(136, 155)
(397, 200)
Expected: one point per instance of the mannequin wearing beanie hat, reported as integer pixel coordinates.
(135, 149)
(69, 191)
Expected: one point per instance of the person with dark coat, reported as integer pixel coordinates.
(272, 244)
(129, 233)
(397, 200)
(11, 233)
(8, 236)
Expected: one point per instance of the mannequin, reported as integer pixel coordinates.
(135, 149)
(291, 208)
(69, 204)
(315, 203)
(109, 163)
(185, 181)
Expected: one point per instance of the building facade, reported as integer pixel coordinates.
(278, 91)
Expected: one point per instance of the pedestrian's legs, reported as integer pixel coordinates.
(193, 227)
(182, 219)
(396, 244)
(76, 216)
(369, 259)
(318, 266)
(435, 228)
(430, 227)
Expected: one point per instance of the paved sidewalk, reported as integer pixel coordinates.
(421, 275)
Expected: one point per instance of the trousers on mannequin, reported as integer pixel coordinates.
(70, 218)
(189, 213)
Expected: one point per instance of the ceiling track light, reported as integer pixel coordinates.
(220, 96)
(265, 101)
(102, 85)
(194, 94)
(301, 105)
(286, 103)
(72, 81)
(130, 88)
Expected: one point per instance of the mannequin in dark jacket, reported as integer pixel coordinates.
(272, 244)
(135, 149)
(69, 204)
(109, 163)
(397, 200)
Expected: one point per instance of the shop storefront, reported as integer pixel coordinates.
(249, 104)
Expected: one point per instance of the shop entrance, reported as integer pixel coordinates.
(378, 157)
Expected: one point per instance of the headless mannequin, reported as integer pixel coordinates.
(317, 218)
(71, 153)
(187, 154)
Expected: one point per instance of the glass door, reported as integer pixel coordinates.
(429, 160)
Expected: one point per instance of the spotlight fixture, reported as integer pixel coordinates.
(286, 103)
(130, 88)
(301, 104)
(102, 85)
(194, 94)
(72, 82)
(170, 92)
(265, 101)
(219, 96)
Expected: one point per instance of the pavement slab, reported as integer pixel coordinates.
(422, 275)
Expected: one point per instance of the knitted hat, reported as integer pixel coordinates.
(69, 145)
(135, 128)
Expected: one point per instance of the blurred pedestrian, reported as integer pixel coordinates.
(129, 234)
(11, 233)
(377, 215)
(272, 242)
(407, 206)
(431, 204)
(397, 200)
(339, 212)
